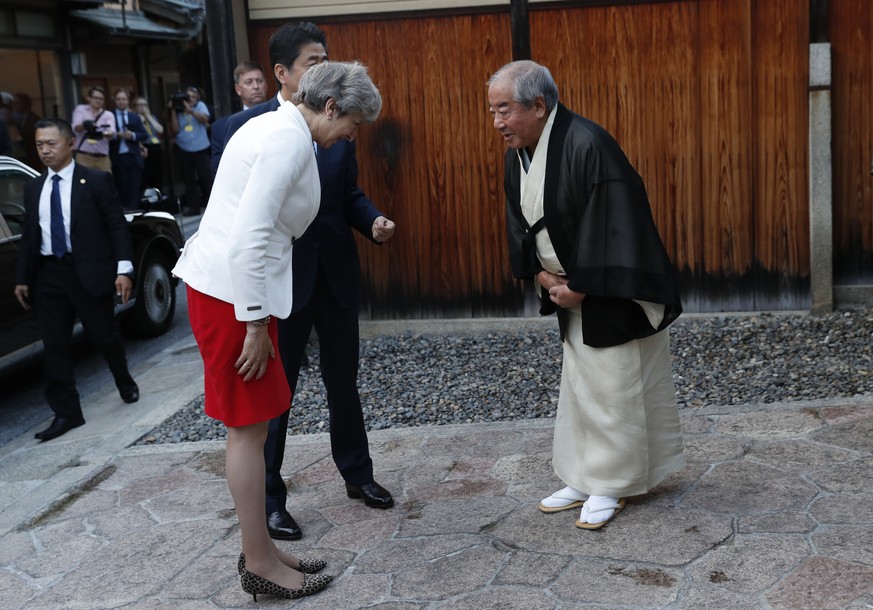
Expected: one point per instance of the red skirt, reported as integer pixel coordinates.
(220, 337)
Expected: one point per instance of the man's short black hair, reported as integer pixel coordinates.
(63, 126)
(286, 42)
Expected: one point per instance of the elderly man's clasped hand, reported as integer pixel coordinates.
(559, 293)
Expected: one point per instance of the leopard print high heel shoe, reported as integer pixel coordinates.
(307, 566)
(254, 584)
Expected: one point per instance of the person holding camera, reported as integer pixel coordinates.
(94, 128)
(189, 118)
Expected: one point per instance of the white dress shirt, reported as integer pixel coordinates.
(45, 213)
(122, 120)
(45, 207)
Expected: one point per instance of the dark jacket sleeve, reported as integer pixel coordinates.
(112, 215)
(617, 254)
(99, 234)
(360, 212)
(217, 139)
(135, 125)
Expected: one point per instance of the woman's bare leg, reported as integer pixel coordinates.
(244, 462)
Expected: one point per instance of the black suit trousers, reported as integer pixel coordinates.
(128, 180)
(338, 341)
(196, 172)
(58, 297)
(153, 172)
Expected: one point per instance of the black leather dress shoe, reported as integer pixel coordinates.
(282, 526)
(129, 394)
(59, 427)
(373, 494)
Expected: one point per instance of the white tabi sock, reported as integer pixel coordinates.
(565, 496)
(598, 509)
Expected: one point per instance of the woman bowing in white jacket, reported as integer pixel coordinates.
(238, 271)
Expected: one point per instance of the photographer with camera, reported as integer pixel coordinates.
(189, 118)
(94, 128)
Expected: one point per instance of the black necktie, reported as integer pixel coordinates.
(59, 234)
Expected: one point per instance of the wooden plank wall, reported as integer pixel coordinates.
(432, 163)
(851, 23)
(707, 97)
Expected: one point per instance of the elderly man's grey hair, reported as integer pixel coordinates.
(531, 81)
(346, 82)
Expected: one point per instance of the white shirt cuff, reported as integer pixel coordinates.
(124, 267)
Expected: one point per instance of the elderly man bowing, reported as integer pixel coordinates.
(579, 225)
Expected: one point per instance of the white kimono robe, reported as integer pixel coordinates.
(617, 429)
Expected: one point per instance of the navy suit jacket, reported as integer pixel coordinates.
(98, 231)
(134, 124)
(225, 127)
(217, 142)
(329, 240)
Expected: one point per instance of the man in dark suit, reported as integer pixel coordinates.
(326, 276)
(124, 152)
(251, 87)
(74, 259)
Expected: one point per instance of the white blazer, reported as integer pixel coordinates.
(265, 194)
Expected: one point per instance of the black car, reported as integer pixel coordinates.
(156, 241)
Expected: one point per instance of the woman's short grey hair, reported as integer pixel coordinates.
(346, 82)
(531, 80)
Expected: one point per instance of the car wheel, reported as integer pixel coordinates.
(155, 303)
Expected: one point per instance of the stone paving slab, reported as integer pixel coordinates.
(34, 475)
(773, 510)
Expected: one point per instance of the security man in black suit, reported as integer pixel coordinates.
(75, 258)
(124, 152)
(326, 278)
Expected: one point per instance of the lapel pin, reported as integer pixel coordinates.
(82, 181)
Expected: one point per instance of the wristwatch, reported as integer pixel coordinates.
(262, 321)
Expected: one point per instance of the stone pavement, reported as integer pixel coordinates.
(773, 510)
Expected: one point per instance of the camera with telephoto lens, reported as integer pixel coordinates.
(178, 100)
(92, 131)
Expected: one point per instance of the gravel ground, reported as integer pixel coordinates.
(413, 379)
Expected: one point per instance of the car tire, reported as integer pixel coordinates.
(155, 303)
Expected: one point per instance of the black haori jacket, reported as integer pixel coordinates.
(598, 218)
